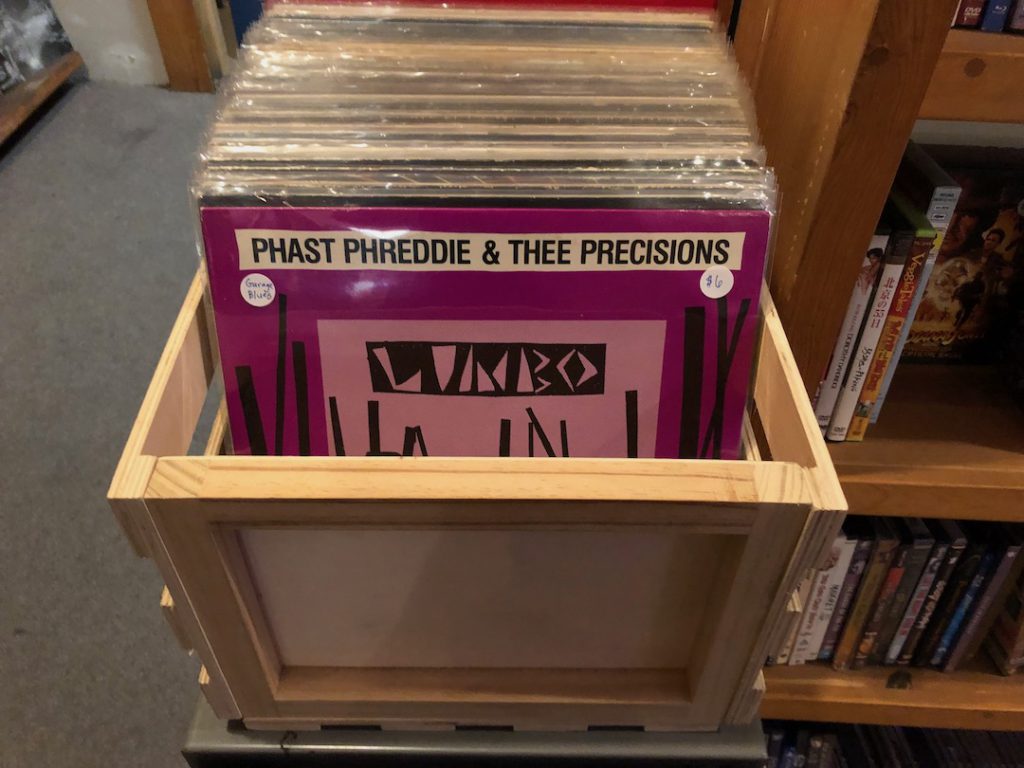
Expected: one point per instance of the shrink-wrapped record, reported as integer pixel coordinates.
(484, 232)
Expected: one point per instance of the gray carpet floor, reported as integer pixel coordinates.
(96, 251)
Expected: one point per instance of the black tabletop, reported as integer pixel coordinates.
(212, 743)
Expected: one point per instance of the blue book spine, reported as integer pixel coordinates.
(996, 14)
(957, 619)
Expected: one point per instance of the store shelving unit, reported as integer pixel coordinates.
(950, 444)
(975, 697)
(977, 78)
(837, 98)
(18, 104)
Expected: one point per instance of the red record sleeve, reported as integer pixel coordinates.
(639, 5)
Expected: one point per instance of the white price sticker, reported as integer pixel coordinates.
(716, 282)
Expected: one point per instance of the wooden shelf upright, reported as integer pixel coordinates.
(838, 88)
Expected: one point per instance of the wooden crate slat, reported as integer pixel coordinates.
(168, 609)
(169, 412)
(185, 509)
(218, 437)
(792, 434)
(747, 610)
(725, 483)
(217, 695)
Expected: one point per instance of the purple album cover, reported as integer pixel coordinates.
(486, 331)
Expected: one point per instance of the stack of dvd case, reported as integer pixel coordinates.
(485, 232)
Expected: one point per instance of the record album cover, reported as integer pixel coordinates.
(486, 331)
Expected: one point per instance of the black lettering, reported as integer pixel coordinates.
(516, 245)
(538, 430)
(505, 438)
(369, 250)
(259, 245)
(704, 252)
(277, 251)
(587, 247)
(351, 248)
(373, 429)
(544, 252)
(413, 438)
(563, 251)
(408, 368)
(684, 255)
(634, 257)
(312, 250)
(721, 251)
(327, 242)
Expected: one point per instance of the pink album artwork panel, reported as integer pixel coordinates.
(488, 388)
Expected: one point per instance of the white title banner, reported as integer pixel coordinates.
(265, 249)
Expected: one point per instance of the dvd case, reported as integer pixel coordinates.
(435, 231)
(853, 324)
(979, 260)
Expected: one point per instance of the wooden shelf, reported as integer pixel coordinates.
(978, 698)
(949, 443)
(977, 78)
(18, 104)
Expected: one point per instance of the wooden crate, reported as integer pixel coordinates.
(443, 592)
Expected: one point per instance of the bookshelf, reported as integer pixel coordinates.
(18, 104)
(837, 99)
(950, 443)
(976, 697)
(977, 77)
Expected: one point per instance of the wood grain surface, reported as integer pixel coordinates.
(18, 104)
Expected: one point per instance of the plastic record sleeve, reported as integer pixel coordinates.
(437, 231)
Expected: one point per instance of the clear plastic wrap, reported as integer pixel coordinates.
(485, 232)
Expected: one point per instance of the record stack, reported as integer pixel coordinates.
(432, 231)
